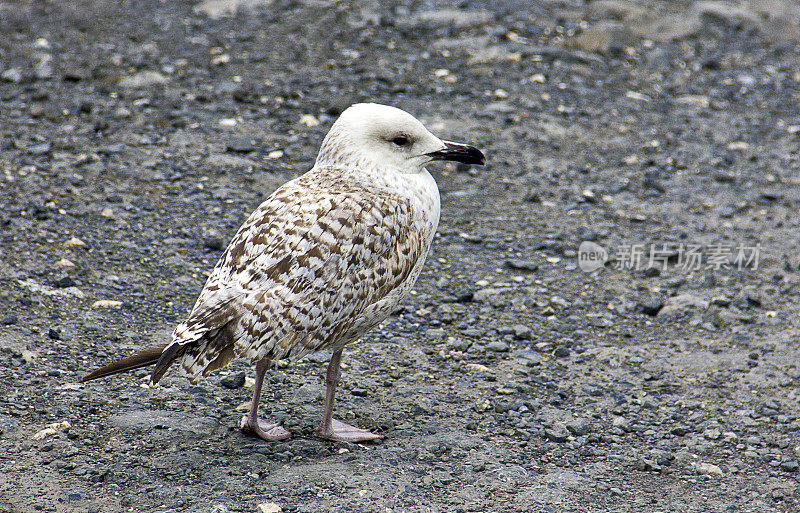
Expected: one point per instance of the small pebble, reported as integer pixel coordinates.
(578, 427)
(64, 282)
(309, 120)
(269, 507)
(213, 243)
(522, 265)
(557, 433)
(498, 346)
(652, 306)
(233, 381)
(522, 332)
(107, 303)
(561, 351)
(13, 75)
(122, 113)
(241, 145)
(65, 264)
(74, 242)
(622, 423)
(708, 469)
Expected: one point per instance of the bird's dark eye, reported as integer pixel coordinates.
(401, 140)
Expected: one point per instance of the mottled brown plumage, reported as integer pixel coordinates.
(302, 275)
(324, 259)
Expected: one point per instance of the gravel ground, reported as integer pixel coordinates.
(135, 137)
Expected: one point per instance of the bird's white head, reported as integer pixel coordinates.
(387, 137)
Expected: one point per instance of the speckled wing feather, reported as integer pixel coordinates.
(320, 262)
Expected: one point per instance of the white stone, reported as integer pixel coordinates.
(143, 79)
(309, 120)
(107, 303)
(216, 9)
(269, 507)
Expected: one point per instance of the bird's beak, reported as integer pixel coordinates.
(459, 153)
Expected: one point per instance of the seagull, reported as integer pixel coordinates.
(324, 259)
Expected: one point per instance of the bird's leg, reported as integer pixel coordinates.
(251, 424)
(331, 428)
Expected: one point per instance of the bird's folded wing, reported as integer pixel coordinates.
(306, 266)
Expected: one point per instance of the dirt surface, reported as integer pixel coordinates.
(135, 137)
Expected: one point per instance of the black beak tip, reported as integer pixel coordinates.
(480, 158)
(460, 153)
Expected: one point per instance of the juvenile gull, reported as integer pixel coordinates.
(324, 259)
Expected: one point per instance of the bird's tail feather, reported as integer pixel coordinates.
(211, 350)
(143, 358)
(165, 359)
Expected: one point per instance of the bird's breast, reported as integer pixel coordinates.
(425, 194)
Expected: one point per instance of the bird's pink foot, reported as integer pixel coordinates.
(341, 432)
(269, 431)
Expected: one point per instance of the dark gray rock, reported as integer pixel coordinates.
(528, 357)
(790, 466)
(241, 145)
(680, 430)
(652, 306)
(233, 381)
(522, 265)
(579, 427)
(214, 243)
(498, 346)
(64, 282)
(557, 433)
(522, 332)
